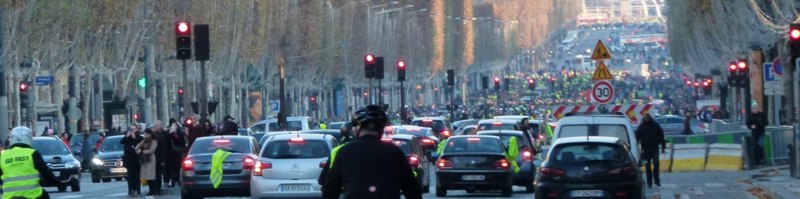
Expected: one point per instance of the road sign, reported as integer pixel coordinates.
(769, 73)
(44, 80)
(601, 72)
(776, 66)
(275, 105)
(600, 51)
(602, 92)
(773, 83)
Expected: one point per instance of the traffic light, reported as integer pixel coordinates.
(707, 84)
(401, 70)
(188, 122)
(369, 66)
(794, 40)
(506, 83)
(202, 46)
(142, 82)
(180, 95)
(484, 82)
(23, 94)
(496, 83)
(136, 117)
(312, 102)
(743, 72)
(733, 78)
(531, 84)
(378, 68)
(183, 39)
(451, 77)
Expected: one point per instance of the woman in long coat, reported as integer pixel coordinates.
(146, 150)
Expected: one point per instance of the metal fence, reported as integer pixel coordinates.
(780, 138)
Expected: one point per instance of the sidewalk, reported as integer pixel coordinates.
(708, 184)
(776, 181)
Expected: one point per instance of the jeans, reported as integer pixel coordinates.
(759, 147)
(651, 157)
(133, 178)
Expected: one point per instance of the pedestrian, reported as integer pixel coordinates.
(146, 150)
(22, 169)
(687, 126)
(161, 154)
(86, 150)
(65, 139)
(757, 123)
(177, 142)
(650, 137)
(368, 167)
(130, 159)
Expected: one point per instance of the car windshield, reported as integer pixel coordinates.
(474, 144)
(497, 126)
(586, 152)
(259, 128)
(293, 126)
(506, 139)
(404, 145)
(50, 147)
(78, 140)
(207, 146)
(415, 131)
(436, 125)
(608, 130)
(296, 149)
(112, 145)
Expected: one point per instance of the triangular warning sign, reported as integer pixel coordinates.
(600, 51)
(601, 72)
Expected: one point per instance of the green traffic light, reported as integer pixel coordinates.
(142, 82)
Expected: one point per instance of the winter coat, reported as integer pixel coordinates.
(148, 171)
(650, 136)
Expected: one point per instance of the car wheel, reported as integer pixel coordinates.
(106, 179)
(441, 191)
(62, 188)
(529, 188)
(95, 179)
(75, 185)
(508, 191)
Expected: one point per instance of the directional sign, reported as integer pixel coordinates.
(600, 51)
(601, 72)
(44, 80)
(769, 73)
(602, 92)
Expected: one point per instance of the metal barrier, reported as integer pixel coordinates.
(775, 146)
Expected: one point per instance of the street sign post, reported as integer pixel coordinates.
(602, 92)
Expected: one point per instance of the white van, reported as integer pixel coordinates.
(598, 125)
(303, 123)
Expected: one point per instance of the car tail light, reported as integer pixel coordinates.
(248, 163)
(473, 140)
(386, 139)
(188, 164)
(444, 164)
(323, 164)
(427, 141)
(413, 160)
(297, 139)
(501, 164)
(527, 155)
(627, 171)
(446, 133)
(552, 172)
(541, 136)
(497, 124)
(258, 169)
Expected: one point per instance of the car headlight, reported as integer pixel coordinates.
(72, 164)
(97, 162)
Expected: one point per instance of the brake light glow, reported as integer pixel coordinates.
(427, 141)
(501, 164)
(297, 139)
(541, 136)
(497, 124)
(552, 172)
(427, 121)
(248, 163)
(622, 171)
(222, 141)
(413, 160)
(446, 133)
(473, 140)
(323, 164)
(260, 166)
(386, 139)
(527, 155)
(188, 164)
(444, 164)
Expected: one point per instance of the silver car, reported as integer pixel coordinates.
(290, 164)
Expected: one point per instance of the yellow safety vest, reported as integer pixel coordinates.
(513, 153)
(323, 126)
(216, 166)
(20, 177)
(333, 154)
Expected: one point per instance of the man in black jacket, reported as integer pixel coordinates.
(22, 137)
(650, 137)
(757, 123)
(131, 160)
(368, 167)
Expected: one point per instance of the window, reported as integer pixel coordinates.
(490, 145)
(285, 149)
(259, 128)
(436, 125)
(416, 132)
(293, 125)
(207, 146)
(50, 147)
(674, 121)
(506, 139)
(111, 145)
(586, 152)
(492, 126)
(404, 146)
(610, 130)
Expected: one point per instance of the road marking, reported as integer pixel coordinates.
(716, 185)
(74, 196)
(118, 195)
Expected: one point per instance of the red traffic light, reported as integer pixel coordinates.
(696, 84)
(742, 64)
(531, 81)
(180, 91)
(136, 117)
(794, 33)
(688, 82)
(496, 79)
(705, 84)
(401, 65)
(188, 122)
(23, 86)
(182, 28)
(369, 58)
(732, 67)
(313, 98)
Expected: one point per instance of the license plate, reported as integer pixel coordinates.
(473, 177)
(56, 173)
(587, 193)
(119, 170)
(295, 187)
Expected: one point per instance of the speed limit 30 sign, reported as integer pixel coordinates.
(602, 92)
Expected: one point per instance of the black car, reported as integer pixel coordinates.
(410, 145)
(107, 163)
(589, 167)
(441, 128)
(59, 158)
(427, 140)
(474, 162)
(83, 144)
(196, 167)
(458, 126)
(527, 170)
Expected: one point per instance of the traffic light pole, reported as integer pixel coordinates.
(403, 113)
(3, 93)
(203, 92)
(148, 89)
(187, 108)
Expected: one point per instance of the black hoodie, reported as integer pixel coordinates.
(650, 136)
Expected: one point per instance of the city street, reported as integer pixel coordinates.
(728, 185)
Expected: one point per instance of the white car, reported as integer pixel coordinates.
(290, 164)
(598, 125)
(295, 124)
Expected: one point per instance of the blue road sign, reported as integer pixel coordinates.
(769, 74)
(44, 80)
(275, 105)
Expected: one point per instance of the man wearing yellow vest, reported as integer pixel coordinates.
(22, 168)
